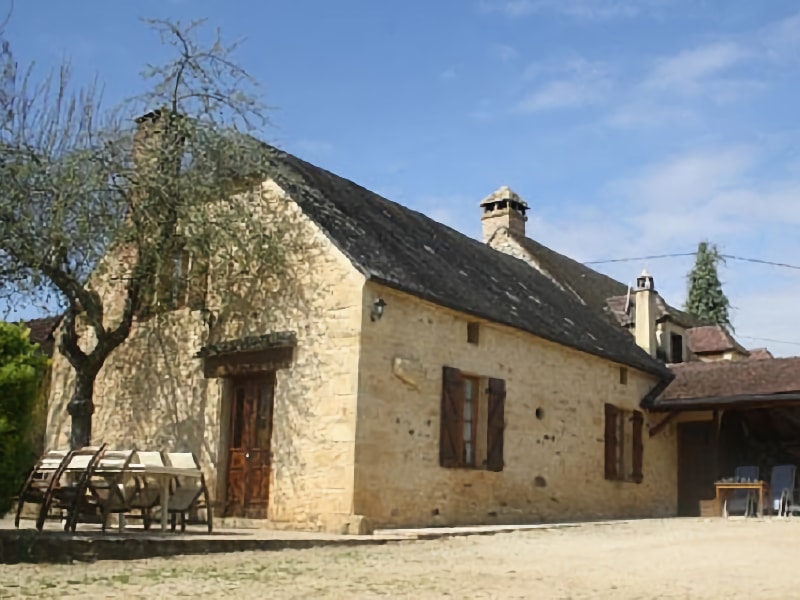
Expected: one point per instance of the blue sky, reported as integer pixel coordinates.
(631, 127)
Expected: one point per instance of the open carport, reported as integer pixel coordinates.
(730, 414)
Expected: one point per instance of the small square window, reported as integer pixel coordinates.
(623, 375)
(473, 333)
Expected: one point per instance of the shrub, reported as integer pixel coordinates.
(21, 370)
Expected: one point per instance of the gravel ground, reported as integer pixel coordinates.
(678, 558)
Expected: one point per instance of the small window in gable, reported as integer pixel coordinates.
(473, 333)
(675, 348)
(623, 375)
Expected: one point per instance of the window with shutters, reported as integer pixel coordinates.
(623, 444)
(181, 280)
(472, 421)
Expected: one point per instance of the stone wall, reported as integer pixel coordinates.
(152, 393)
(554, 465)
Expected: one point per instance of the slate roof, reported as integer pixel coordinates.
(725, 381)
(712, 339)
(406, 250)
(599, 292)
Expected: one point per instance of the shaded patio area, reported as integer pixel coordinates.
(731, 414)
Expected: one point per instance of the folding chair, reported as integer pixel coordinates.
(40, 482)
(71, 486)
(190, 494)
(781, 487)
(148, 490)
(742, 500)
(110, 487)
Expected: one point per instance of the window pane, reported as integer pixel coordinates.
(467, 410)
(467, 431)
(469, 390)
(468, 453)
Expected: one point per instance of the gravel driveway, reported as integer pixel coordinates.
(678, 558)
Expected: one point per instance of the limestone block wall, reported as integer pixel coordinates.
(554, 418)
(152, 392)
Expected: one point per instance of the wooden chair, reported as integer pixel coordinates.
(148, 490)
(39, 485)
(190, 494)
(110, 487)
(71, 487)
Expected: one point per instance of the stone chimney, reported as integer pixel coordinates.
(503, 211)
(645, 325)
(151, 150)
(147, 139)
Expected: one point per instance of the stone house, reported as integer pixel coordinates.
(398, 374)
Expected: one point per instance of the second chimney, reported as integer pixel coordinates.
(645, 325)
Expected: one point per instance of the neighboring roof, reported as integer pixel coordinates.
(601, 293)
(712, 339)
(699, 385)
(759, 354)
(616, 307)
(41, 332)
(410, 252)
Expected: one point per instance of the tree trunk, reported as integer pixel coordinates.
(81, 408)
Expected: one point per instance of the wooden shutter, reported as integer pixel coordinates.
(451, 432)
(611, 442)
(638, 447)
(495, 430)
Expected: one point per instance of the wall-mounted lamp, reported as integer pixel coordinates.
(377, 309)
(208, 317)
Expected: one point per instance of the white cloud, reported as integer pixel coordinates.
(644, 113)
(578, 9)
(689, 69)
(576, 83)
(560, 94)
(503, 52)
(781, 39)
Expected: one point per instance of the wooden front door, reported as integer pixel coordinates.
(695, 466)
(252, 400)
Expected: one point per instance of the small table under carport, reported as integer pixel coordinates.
(724, 487)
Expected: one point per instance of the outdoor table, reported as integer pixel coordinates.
(163, 476)
(723, 487)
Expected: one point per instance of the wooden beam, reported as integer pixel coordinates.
(654, 431)
(717, 420)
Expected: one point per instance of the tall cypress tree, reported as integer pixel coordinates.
(706, 301)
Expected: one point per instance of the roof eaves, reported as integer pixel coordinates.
(717, 402)
(657, 369)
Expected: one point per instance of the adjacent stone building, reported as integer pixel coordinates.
(397, 373)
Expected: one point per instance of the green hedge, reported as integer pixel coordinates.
(21, 371)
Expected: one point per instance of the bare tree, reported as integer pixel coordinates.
(87, 196)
